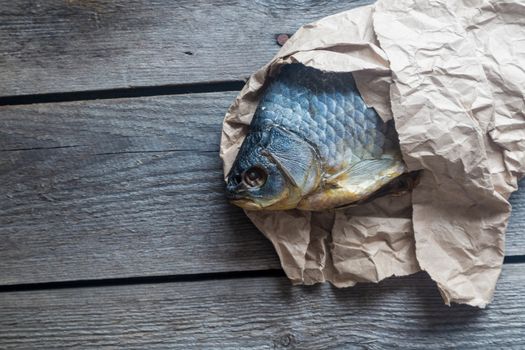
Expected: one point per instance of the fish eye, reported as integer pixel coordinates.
(255, 176)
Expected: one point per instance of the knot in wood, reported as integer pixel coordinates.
(285, 341)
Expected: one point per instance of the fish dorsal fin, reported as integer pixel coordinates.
(296, 158)
(354, 183)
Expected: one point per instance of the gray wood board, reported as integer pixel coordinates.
(262, 313)
(515, 240)
(119, 188)
(77, 45)
(125, 188)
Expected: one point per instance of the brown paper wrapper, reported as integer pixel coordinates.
(452, 75)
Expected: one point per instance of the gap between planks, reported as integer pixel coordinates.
(125, 281)
(131, 92)
(197, 277)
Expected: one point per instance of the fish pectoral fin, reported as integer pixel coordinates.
(367, 173)
(354, 184)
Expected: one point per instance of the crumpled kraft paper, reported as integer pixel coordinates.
(452, 75)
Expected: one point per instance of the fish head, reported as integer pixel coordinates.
(255, 182)
(272, 171)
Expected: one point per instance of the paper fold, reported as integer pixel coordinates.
(455, 92)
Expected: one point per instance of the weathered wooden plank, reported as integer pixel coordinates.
(515, 243)
(125, 188)
(262, 313)
(76, 45)
(119, 188)
(178, 122)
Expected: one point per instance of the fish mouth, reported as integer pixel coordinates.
(246, 203)
(241, 200)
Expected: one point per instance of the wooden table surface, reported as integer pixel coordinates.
(114, 229)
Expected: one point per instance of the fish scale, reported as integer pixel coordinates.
(327, 110)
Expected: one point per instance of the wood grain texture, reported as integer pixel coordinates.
(76, 45)
(126, 188)
(119, 188)
(515, 243)
(262, 313)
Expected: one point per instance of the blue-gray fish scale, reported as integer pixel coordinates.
(327, 110)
